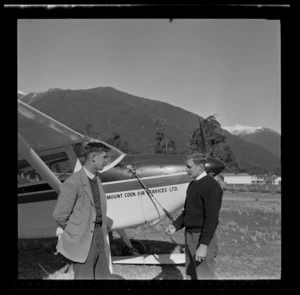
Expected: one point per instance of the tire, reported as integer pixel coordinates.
(138, 247)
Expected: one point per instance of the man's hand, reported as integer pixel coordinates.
(171, 229)
(59, 231)
(201, 252)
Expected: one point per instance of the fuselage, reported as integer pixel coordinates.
(163, 175)
(129, 205)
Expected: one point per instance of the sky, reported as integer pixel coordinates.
(224, 67)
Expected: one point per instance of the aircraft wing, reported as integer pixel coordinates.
(42, 132)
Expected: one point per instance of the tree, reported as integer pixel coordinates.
(276, 171)
(212, 135)
(254, 170)
(163, 145)
(216, 143)
(116, 141)
(89, 129)
(224, 153)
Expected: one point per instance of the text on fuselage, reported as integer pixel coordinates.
(131, 194)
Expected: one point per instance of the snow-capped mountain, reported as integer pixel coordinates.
(241, 130)
(21, 94)
(262, 136)
(34, 96)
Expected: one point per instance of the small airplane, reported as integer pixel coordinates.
(139, 188)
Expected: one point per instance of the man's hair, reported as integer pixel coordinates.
(197, 157)
(94, 146)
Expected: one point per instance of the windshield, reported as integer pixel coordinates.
(114, 155)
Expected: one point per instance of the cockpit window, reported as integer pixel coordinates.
(58, 162)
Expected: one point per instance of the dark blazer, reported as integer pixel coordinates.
(75, 213)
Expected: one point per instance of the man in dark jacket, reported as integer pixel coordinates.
(200, 217)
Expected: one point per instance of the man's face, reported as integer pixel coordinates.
(100, 160)
(193, 170)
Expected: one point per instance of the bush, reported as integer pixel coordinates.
(263, 188)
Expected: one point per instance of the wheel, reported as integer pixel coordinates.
(139, 246)
(138, 249)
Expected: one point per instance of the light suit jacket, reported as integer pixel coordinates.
(75, 212)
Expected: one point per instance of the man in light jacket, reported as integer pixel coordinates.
(81, 212)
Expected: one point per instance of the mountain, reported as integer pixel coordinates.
(264, 137)
(21, 94)
(240, 130)
(34, 96)
(105, 110)
(250, 155)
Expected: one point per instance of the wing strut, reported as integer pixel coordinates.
(150, 195)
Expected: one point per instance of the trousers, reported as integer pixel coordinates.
(204, 270)
(96, 266)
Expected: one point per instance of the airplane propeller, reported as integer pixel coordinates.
(212, 166)
(203, 141)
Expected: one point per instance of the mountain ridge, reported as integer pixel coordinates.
(241, 129)
(107, 110)
(264, 137)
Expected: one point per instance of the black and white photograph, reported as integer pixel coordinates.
(149, 148)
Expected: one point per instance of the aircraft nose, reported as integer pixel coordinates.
(214, 166)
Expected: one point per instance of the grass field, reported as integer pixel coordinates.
(249, 235)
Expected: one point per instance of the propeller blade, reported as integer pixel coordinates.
(203, 141)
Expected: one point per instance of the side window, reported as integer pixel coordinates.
(27, 174)
(58, 162)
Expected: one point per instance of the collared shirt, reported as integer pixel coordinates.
(89, 174)
(201, 175)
